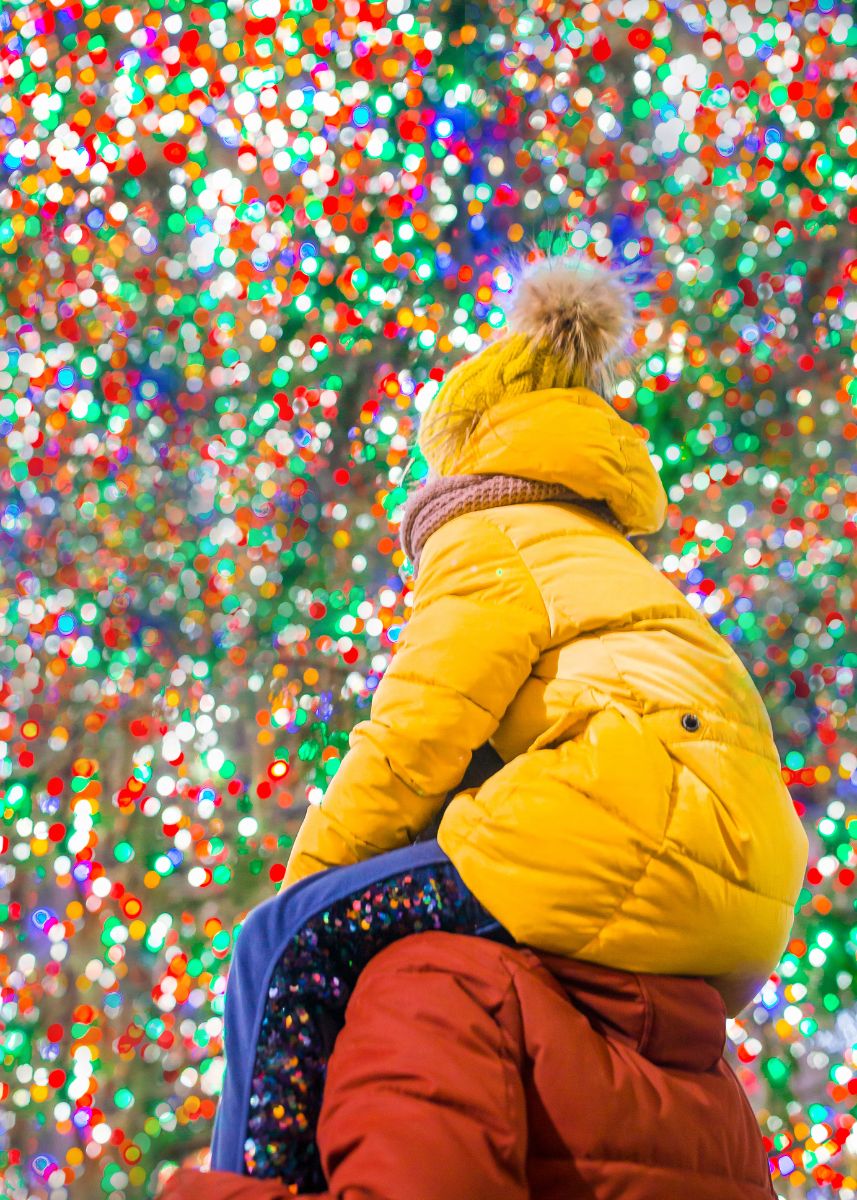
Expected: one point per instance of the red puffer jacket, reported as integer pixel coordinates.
(473, 1070)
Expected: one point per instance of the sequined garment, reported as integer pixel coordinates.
(307, 995)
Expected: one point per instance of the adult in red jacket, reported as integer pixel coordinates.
(471, 1069)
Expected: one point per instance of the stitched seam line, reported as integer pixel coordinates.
(516, 553)
(618, 909)
(648, 1017)
(511, 1060)
(511, 1065)
(713, 741)
(682, 853)
(406, 677)
(553, 534)
(646, 709)
(347, 834)
(622, 442)
(636, 696)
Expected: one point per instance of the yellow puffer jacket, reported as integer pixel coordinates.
(641, 820)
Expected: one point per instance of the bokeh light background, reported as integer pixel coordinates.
(240, 244)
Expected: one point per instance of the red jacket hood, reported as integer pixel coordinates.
(672, 1020)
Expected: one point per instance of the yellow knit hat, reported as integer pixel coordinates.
(567, 320)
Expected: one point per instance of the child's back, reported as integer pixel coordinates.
(641, 820)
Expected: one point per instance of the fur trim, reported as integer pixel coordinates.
(584, 312)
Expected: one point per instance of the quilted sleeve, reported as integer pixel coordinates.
(478, 625)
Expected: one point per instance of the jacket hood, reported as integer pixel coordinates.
(568, 436)
(672, 1020)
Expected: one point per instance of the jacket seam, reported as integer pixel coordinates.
(654, 855)
(683, 853)
(628, 893)
(518, 555)
(347, 834)
(623, 443)
(644, 709)
(681, 610)
(380, 723)
(633, 694)
(617, 911)
(512, 1064)
(555, 535)
(407, 677)
(550, 535)
(508, 1056)
(715, 741)
(647, 708)
(648, 1016)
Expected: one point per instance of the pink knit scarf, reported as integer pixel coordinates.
(444, 497)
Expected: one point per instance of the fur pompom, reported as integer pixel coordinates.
(583, 311)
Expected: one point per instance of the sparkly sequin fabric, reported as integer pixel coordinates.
(307, 995)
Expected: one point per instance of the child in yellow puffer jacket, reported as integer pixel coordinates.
(640, 819)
